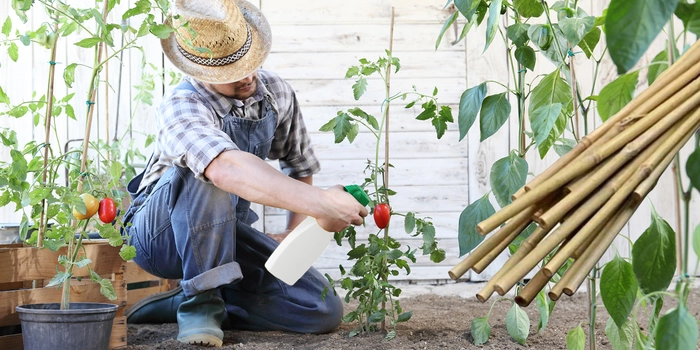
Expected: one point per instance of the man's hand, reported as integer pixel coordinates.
(340, 210)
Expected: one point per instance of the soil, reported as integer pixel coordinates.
(438, 322)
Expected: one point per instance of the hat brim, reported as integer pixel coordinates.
(250, 62)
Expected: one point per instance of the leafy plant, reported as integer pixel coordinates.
(552, 108)
(47, 184)
(382, 255)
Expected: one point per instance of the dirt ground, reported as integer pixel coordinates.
(438, 322)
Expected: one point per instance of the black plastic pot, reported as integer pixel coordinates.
(85, 326)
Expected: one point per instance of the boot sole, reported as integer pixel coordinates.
(202, 339)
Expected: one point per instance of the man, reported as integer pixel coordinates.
(190, 217)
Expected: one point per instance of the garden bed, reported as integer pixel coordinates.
(438, 322)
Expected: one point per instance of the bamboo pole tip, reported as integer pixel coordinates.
(454, 274)
(522, 301)
(478, 268)
(547, 272)
(481, 230)
(553, 295)
(569, 291)
(499, 289)
(483, 297)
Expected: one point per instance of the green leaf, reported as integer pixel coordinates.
(621, 338)
(107, 289)
(3, 97)
(590, 41)
(525, 55)
(658, 64)
(359, 88)
(552, 89)
(70, 112)
(409, 222)
(494, 113)
(428, 238)
(528, 8)
(480, 330)
(88, 42)
(115, 170)
(352, 71)
(654, 256)
(618, 289)
(445, 27)
(404, 316)
(69, 74)
(575, 28)
(358, 112)
(692, 168)
(677, 330)
(127, 252)
(576, 339)
(377, 316)
(541, 36)
(542, 121)
(469, 106)
(473, 214)
(518, 324)
(140, 7)
(492, 22)
(13, 52)
(7, 26)
(631, 25)
(689, 14)
(508, 175)
(161, 31)
(437, 255)
(617, 94)
(58, 280)
(466, 7)
(543, 307)
(517, 33)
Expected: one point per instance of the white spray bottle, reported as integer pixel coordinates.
(302, 247)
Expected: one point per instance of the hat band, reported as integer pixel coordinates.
(222, 61)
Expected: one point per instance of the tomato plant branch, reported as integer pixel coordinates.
(63, 13)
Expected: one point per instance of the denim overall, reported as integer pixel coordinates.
(184, 228)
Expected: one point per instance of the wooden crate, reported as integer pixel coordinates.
(20, 267)
(141, 284)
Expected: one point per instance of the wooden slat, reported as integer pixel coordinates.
(134, 273)
(11, 342)
(23, 264)
(135, 295)
(119, 331)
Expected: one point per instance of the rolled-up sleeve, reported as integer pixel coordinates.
(189, 133)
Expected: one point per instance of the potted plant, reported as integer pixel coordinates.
(58, 192)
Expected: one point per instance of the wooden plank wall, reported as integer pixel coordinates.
(314, 42)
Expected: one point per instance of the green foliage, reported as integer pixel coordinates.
(617, 94)
(678, 329)
(576, 339)
(631, 26)
(518, 324)
(507, 176)
(618, 289)
(473, 214)
(620, 337)
(480, 330)
(654, 256)
(381, 256)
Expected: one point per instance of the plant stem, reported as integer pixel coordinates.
(47, 134)
(592, 307)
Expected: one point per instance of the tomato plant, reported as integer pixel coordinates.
(382, 214)
(107, 211)
(91, 205)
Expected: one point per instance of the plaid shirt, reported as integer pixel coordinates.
(189, 129)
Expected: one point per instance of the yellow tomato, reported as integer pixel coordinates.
(91, 206)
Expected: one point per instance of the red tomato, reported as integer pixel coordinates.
(107, 211)
(382, 213)
(91, 205)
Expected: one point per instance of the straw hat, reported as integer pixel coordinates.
(235, 31)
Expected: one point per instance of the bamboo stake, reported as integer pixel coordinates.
(667, 84)
(525, 248)
(575, 271)
(669, 142)
(484, 262)
(649, 129)
(519, 221)
(594, 180)
(527, 294)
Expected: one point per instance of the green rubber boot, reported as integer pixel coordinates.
(199, 319)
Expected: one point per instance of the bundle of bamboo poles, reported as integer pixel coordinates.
(581, 202)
